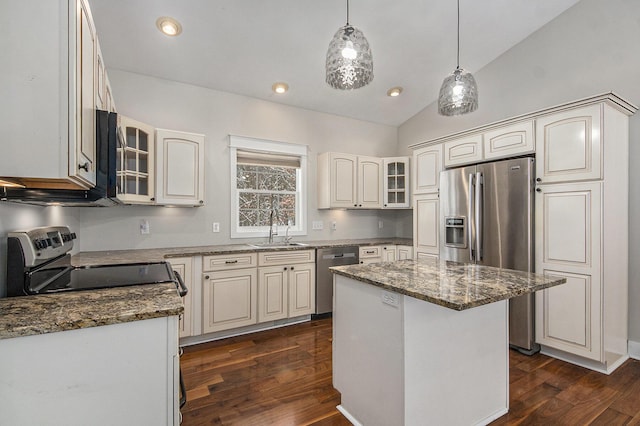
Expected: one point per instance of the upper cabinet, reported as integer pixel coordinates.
(427, 165)
(498, 142)
(569, 146)
(53, 80)
(349, 181)
(359, 182)
(158, 166)
(135, 171)
(396, 181)
(179, 168)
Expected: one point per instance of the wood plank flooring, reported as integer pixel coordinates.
(283, 377)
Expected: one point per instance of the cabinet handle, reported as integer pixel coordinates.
(385, 205)
(384, 248)
(152, 198)
(84, 166)
(538, 179)
(370, 252)
(285, 268)
(231, 261)
(538, 190)
(360, 205)
(206, 277)
(355, 205)
(292, 268)
(201, 201)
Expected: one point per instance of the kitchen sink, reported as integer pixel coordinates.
(277, 245)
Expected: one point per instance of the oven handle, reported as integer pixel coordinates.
(182, 289)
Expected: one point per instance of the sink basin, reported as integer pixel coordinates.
(277, 245)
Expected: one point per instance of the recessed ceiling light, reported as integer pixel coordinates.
(168, 26)
(280, 88)
(394, 91)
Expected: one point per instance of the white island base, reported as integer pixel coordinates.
(398, 360)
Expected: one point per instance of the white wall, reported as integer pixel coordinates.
(178, 106)
(592, 48)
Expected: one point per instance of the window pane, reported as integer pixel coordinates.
(247, 177)
(248, 201)
(248, 217)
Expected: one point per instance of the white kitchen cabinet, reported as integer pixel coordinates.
(370, 254)
(464, 150)
(404, 252)
(582, 229)
(389, 253)
(179, 168)
(508, 141)
(426, 223)
(184, 267)
(396, 183)
(286, 284)
(135, 170)
(51, 82)
(229, 299)
(568, 225)
(427, 165)
(349, 181)
(569, 145)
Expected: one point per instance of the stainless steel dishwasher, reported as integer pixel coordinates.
(325, 258)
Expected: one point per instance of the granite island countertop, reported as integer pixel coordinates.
(454, 285)
(49, 313)
(161, 254)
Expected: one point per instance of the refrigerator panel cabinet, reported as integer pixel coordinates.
(466, 150)
(516, 139)
(426, 223)
(427, 165)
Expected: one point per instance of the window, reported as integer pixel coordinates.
(268, 185)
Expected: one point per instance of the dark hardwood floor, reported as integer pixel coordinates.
(283, 377)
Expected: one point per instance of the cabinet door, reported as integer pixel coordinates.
(229, 299)
(135, 181)
(467, 150)
(272, 293)
(86, 88)
(184, 267)
(302, 289)
(568, 244)
(426, 221)
(101, 98)
(179, 168)
(509, 141)
(427, 165)
(396, 182)
(369, 182)
(343, 169)
(405, 252)
(389, 254)
(568, 146)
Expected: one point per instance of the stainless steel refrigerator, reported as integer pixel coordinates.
(486, 214)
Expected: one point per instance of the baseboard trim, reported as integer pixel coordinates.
(613, 361)
(493, 417)
(348, 415)
(634, 349)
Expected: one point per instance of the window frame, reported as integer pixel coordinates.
(271, 147)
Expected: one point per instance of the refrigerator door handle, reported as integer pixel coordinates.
(470, 221)
(479, 207)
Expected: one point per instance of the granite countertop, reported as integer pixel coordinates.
(41, 314)
(160, 254)
(454, 285)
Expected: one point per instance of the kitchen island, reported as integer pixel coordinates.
(424, 342)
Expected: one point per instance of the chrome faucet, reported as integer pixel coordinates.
(287, 237)
(271, 231)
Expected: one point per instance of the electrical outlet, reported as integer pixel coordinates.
(380, 224)
(390, 299)
(216, 227)
(318, 225)
(144, 226)
(334, 225)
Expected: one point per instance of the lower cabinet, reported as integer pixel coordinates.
(273, 293)
(404, 252)
(426, 223)
(302, 290)
(229, 299)
(184, 267)
(370, 254)
(389, 253)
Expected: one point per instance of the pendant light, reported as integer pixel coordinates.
(349, 62)
(459, 92)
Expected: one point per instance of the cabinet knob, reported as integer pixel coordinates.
(538, 179)
(285, 268)
(385, 205)
(153, 198)
(84, 166)
(292, 268)
(206, 277)
(360, 205)
(355, 205)
(201, 201)
(538, 190)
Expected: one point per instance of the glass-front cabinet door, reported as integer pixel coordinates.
(135, 157)
(396, 183)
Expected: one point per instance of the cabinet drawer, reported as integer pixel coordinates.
(224, 262)
(272, 258)
(370, 251)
